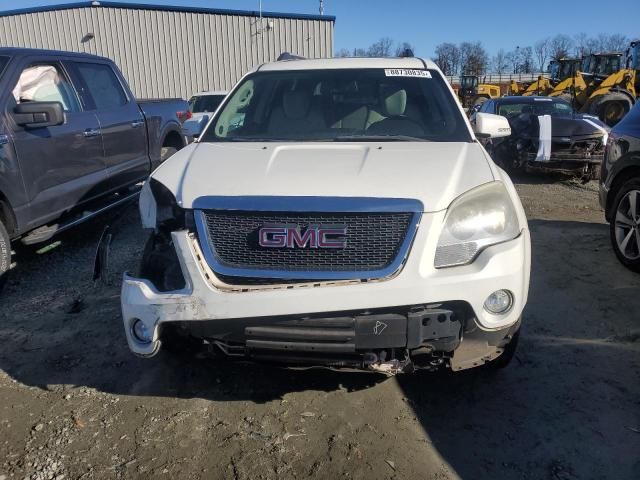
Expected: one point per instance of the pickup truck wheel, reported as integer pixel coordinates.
(507, 355)
(5, 255)
(166, 152)
(624, 228)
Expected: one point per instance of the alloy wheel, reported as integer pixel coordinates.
(627, 225)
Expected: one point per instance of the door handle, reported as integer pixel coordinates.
(91, 132)
(4, 139)
(137, 123)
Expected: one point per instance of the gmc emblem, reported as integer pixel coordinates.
(314, 236)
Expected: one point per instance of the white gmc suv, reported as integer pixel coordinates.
(335, 212)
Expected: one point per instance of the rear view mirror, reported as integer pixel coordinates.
(488, 125)
(39, 114)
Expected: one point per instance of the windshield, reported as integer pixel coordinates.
(205, 103)
(554, 69)
(607, 65)
(346, 104)
(468, 81)
(543, 106)
(3, 63)
(568, 69)
(588, 64)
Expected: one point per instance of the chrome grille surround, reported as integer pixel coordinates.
(211, 212)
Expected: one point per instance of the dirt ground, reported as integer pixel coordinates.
(74, 403)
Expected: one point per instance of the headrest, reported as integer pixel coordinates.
(527, 109)
(296, 104)
(395, 101)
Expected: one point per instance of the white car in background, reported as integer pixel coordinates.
(335, 212)
(202, 106)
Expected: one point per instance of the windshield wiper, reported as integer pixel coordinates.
(379, 138)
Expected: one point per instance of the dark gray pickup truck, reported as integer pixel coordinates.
(74, 142)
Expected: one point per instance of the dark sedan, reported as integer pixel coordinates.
(620, 188)
(547, 135)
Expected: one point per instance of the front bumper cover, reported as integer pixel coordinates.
(204, 298)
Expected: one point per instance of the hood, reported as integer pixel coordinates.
(578, 125)
(434, 173)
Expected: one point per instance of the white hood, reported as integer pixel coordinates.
(434, 173)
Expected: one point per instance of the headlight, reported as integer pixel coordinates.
(477, 219)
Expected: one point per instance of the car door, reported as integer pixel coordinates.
(62, 166)
(121, 121)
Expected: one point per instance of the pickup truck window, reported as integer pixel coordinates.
(340, 105)
(205, 103)
(103, 85)
(45, 83)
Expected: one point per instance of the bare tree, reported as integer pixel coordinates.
(381, 48)
(582, 46)
(560, 46)
(447, 57)
(526, 60)
(474, 59)
(360, 52)
(499, 63)
(343, 52)
(513, 59)
(541, 49)
(613, 43)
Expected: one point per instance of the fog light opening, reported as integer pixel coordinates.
(140, 331)
(499, 302)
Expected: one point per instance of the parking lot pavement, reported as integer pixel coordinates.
(75, 402)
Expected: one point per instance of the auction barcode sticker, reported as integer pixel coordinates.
(404, 72)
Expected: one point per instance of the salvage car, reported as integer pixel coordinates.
(74, 142)
(547, 135)
(620, 189)
(334, 212)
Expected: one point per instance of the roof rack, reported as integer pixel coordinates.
(289, 56)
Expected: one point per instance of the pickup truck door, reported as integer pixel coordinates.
(62, 166)
(122, 123)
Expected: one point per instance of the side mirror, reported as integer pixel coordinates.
(488, 125)
(39, 114)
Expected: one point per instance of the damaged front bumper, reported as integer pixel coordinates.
(422, 317)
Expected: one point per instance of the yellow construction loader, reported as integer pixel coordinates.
(594, 69)
(559, 71)
(472, 92)
(613, 96)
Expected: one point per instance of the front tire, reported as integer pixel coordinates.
(624, 228)
(611, 107)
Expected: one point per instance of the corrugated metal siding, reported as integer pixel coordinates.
(169, 54)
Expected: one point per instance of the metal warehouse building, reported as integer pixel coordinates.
(167, 51)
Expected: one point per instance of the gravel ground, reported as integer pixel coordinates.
(74, 403)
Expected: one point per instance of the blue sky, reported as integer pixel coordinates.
(498, 25)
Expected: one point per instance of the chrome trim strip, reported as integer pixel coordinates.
(309, 204)
(373, 205)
